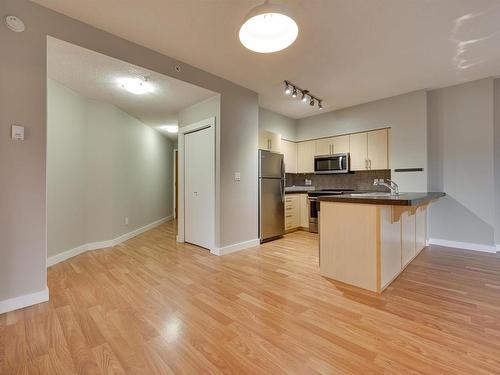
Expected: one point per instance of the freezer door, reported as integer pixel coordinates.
(271, 208)
(270, 164)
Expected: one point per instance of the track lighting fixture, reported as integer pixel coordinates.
(305, 94)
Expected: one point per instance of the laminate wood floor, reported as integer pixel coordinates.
(152, 306)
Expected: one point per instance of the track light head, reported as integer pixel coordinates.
(311, 103)
(294, 94)
(288, 89)
(304, 95)
(320, 105)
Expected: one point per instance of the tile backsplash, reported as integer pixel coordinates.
(360, 180)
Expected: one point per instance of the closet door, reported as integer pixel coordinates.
(199, 188)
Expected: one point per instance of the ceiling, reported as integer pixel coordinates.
(348, 51)
(96, 76)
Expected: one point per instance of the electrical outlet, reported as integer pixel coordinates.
(126, 221)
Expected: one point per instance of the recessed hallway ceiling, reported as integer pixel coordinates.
(348, 51)
(98, 77)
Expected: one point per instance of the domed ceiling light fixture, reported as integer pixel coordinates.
(268, 28)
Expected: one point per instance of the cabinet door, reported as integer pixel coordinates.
(377, 149)
(420, 228)
(305, 160)
(275, 141)
(407, 237)
(292, 211)
(304, 211)
(289, 150)
(323, 146)
(358, 145)
(340, 145)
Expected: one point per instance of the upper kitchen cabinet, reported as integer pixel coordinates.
(289, 150)
(358, 144)
(269, 141)
(340, 145)
(324, 146)
(369, 150)
(332, 145)
(305, 156)
(378, 144)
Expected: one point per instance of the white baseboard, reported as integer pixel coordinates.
(235, 247)
(463, 245)
(24, 301)
(104, 244)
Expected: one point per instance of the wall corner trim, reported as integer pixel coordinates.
(464, 245)
(104, 244)
(235, 247)
(24, 301)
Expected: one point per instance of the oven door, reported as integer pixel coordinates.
(326, 164)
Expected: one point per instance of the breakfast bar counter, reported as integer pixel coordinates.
(367, 239)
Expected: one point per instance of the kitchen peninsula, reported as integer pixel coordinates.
(367, 240)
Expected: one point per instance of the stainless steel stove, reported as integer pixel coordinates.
(314, 204)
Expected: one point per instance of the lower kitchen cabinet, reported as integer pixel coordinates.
(296, 211)
(369, 245)
(304, 211)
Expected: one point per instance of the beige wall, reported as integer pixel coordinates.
(405, 114)
(22, 165)
(461, 160)
(102, 165)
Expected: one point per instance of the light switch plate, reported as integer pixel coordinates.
(18, 132)
(237, 176)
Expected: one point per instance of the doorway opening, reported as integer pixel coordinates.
(111, 134)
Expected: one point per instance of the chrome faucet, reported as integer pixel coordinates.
(393, 187)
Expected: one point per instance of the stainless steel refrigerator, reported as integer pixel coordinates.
(271, 195)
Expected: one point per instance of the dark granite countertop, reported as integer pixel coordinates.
(404, 199)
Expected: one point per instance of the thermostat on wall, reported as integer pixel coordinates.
(18, 132)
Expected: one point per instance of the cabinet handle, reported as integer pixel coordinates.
(366, 163)
(370, 163)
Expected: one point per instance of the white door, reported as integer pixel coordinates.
(199, 194)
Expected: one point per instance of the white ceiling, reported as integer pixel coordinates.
(348, 51)
(96, 76)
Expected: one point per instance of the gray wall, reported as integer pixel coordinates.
(22, 165)
(405, 114)
(461, 159)
(102, 165)
(496, 132)
(277, 123)
(66, 169)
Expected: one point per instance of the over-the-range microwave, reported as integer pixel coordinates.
(335, 163)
